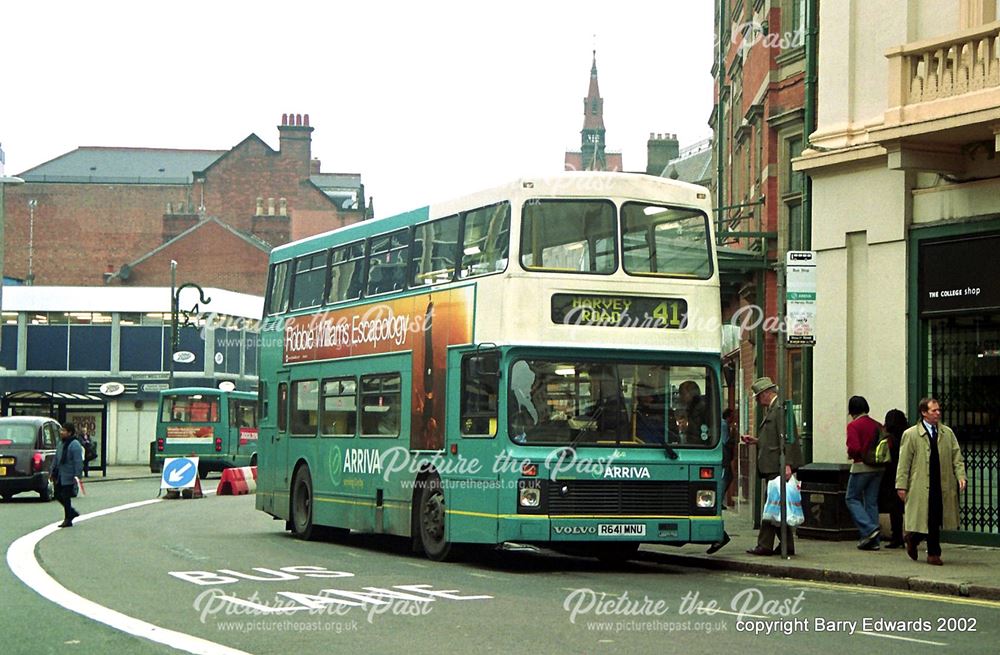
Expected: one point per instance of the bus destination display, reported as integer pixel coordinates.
(619, 311)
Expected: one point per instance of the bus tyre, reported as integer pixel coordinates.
(430, 520)
(302, 505)
(202, 471)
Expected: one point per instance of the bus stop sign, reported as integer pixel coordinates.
(179, 473)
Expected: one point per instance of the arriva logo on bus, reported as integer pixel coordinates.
(362, 460)
(630, 472)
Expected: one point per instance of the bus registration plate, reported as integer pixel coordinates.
(621, 530)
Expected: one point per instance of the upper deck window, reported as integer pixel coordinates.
(573, 236)
(485, 240)
(310, 278)
(387, 262)
(347, 265)
(435, 252)
(277, 291)
(668, 241)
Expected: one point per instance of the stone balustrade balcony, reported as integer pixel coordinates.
(943, 100)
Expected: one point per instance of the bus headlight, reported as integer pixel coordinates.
(529, 497)
(705, 498)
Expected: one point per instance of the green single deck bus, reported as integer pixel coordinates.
(219, 427)
(536, 364)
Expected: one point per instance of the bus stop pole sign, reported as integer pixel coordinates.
(800, 297)
(179, 473)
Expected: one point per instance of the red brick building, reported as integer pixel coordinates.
(759, 122)
(100, 215)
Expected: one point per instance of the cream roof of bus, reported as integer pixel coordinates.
(565, 184)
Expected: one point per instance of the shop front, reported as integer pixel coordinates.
(955, 355)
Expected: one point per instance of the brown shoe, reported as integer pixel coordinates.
(934, 560)
(911, 546)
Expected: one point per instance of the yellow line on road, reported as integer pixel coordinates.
(882, 591)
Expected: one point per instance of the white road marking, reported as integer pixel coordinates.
(21, 560)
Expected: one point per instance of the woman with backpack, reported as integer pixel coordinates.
(863, 484)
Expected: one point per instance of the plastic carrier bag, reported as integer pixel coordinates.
(793, 502)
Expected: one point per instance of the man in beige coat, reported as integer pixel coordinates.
(930, 475)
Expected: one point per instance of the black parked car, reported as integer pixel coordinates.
(27, 448)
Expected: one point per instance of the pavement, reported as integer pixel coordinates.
(969, 571)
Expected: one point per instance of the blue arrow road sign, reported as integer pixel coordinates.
(179, 472)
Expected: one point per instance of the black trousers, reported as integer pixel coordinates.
(64, 494)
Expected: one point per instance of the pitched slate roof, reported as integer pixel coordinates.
(694, 165)
(98, 164)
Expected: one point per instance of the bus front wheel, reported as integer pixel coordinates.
(430, 519)
(302, 505)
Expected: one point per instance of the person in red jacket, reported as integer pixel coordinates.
(863, 485)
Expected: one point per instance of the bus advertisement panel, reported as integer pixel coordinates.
(424, 325)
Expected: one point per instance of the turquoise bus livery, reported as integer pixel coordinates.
(535, 364)
(219, 427)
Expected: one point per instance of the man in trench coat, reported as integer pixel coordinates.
(929, 477)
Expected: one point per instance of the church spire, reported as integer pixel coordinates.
(592, 134)
(593, 104)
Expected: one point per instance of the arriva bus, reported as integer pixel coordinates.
(219, 427)
(537, 364)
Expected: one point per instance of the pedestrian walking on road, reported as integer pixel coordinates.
(889, 503)
(930, 475)
(770, 433)
(66, 470)
(863, 484)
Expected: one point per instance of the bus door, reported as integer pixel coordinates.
(243, 431)
(278, 466)
(472, 427)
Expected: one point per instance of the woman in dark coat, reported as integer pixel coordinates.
(888, 501)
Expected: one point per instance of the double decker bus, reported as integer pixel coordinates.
(218, 427)
(536, 364)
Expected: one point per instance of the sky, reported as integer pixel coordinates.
(426, 100)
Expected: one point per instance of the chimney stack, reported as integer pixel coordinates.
(661, 149)
(295, 140)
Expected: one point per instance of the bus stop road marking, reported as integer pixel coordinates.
(21, 561)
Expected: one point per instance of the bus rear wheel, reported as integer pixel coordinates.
(302, 505)
(431, 520)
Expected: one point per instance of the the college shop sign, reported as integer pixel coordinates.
(958, 275)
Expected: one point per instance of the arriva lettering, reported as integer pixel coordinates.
(626, 472)
(362, 460)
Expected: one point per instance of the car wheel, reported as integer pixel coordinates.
(431, 520)
(49, 492)
(302, 505)
(6, 497)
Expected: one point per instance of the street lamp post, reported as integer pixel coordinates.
(4, 181)
(175, 311)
